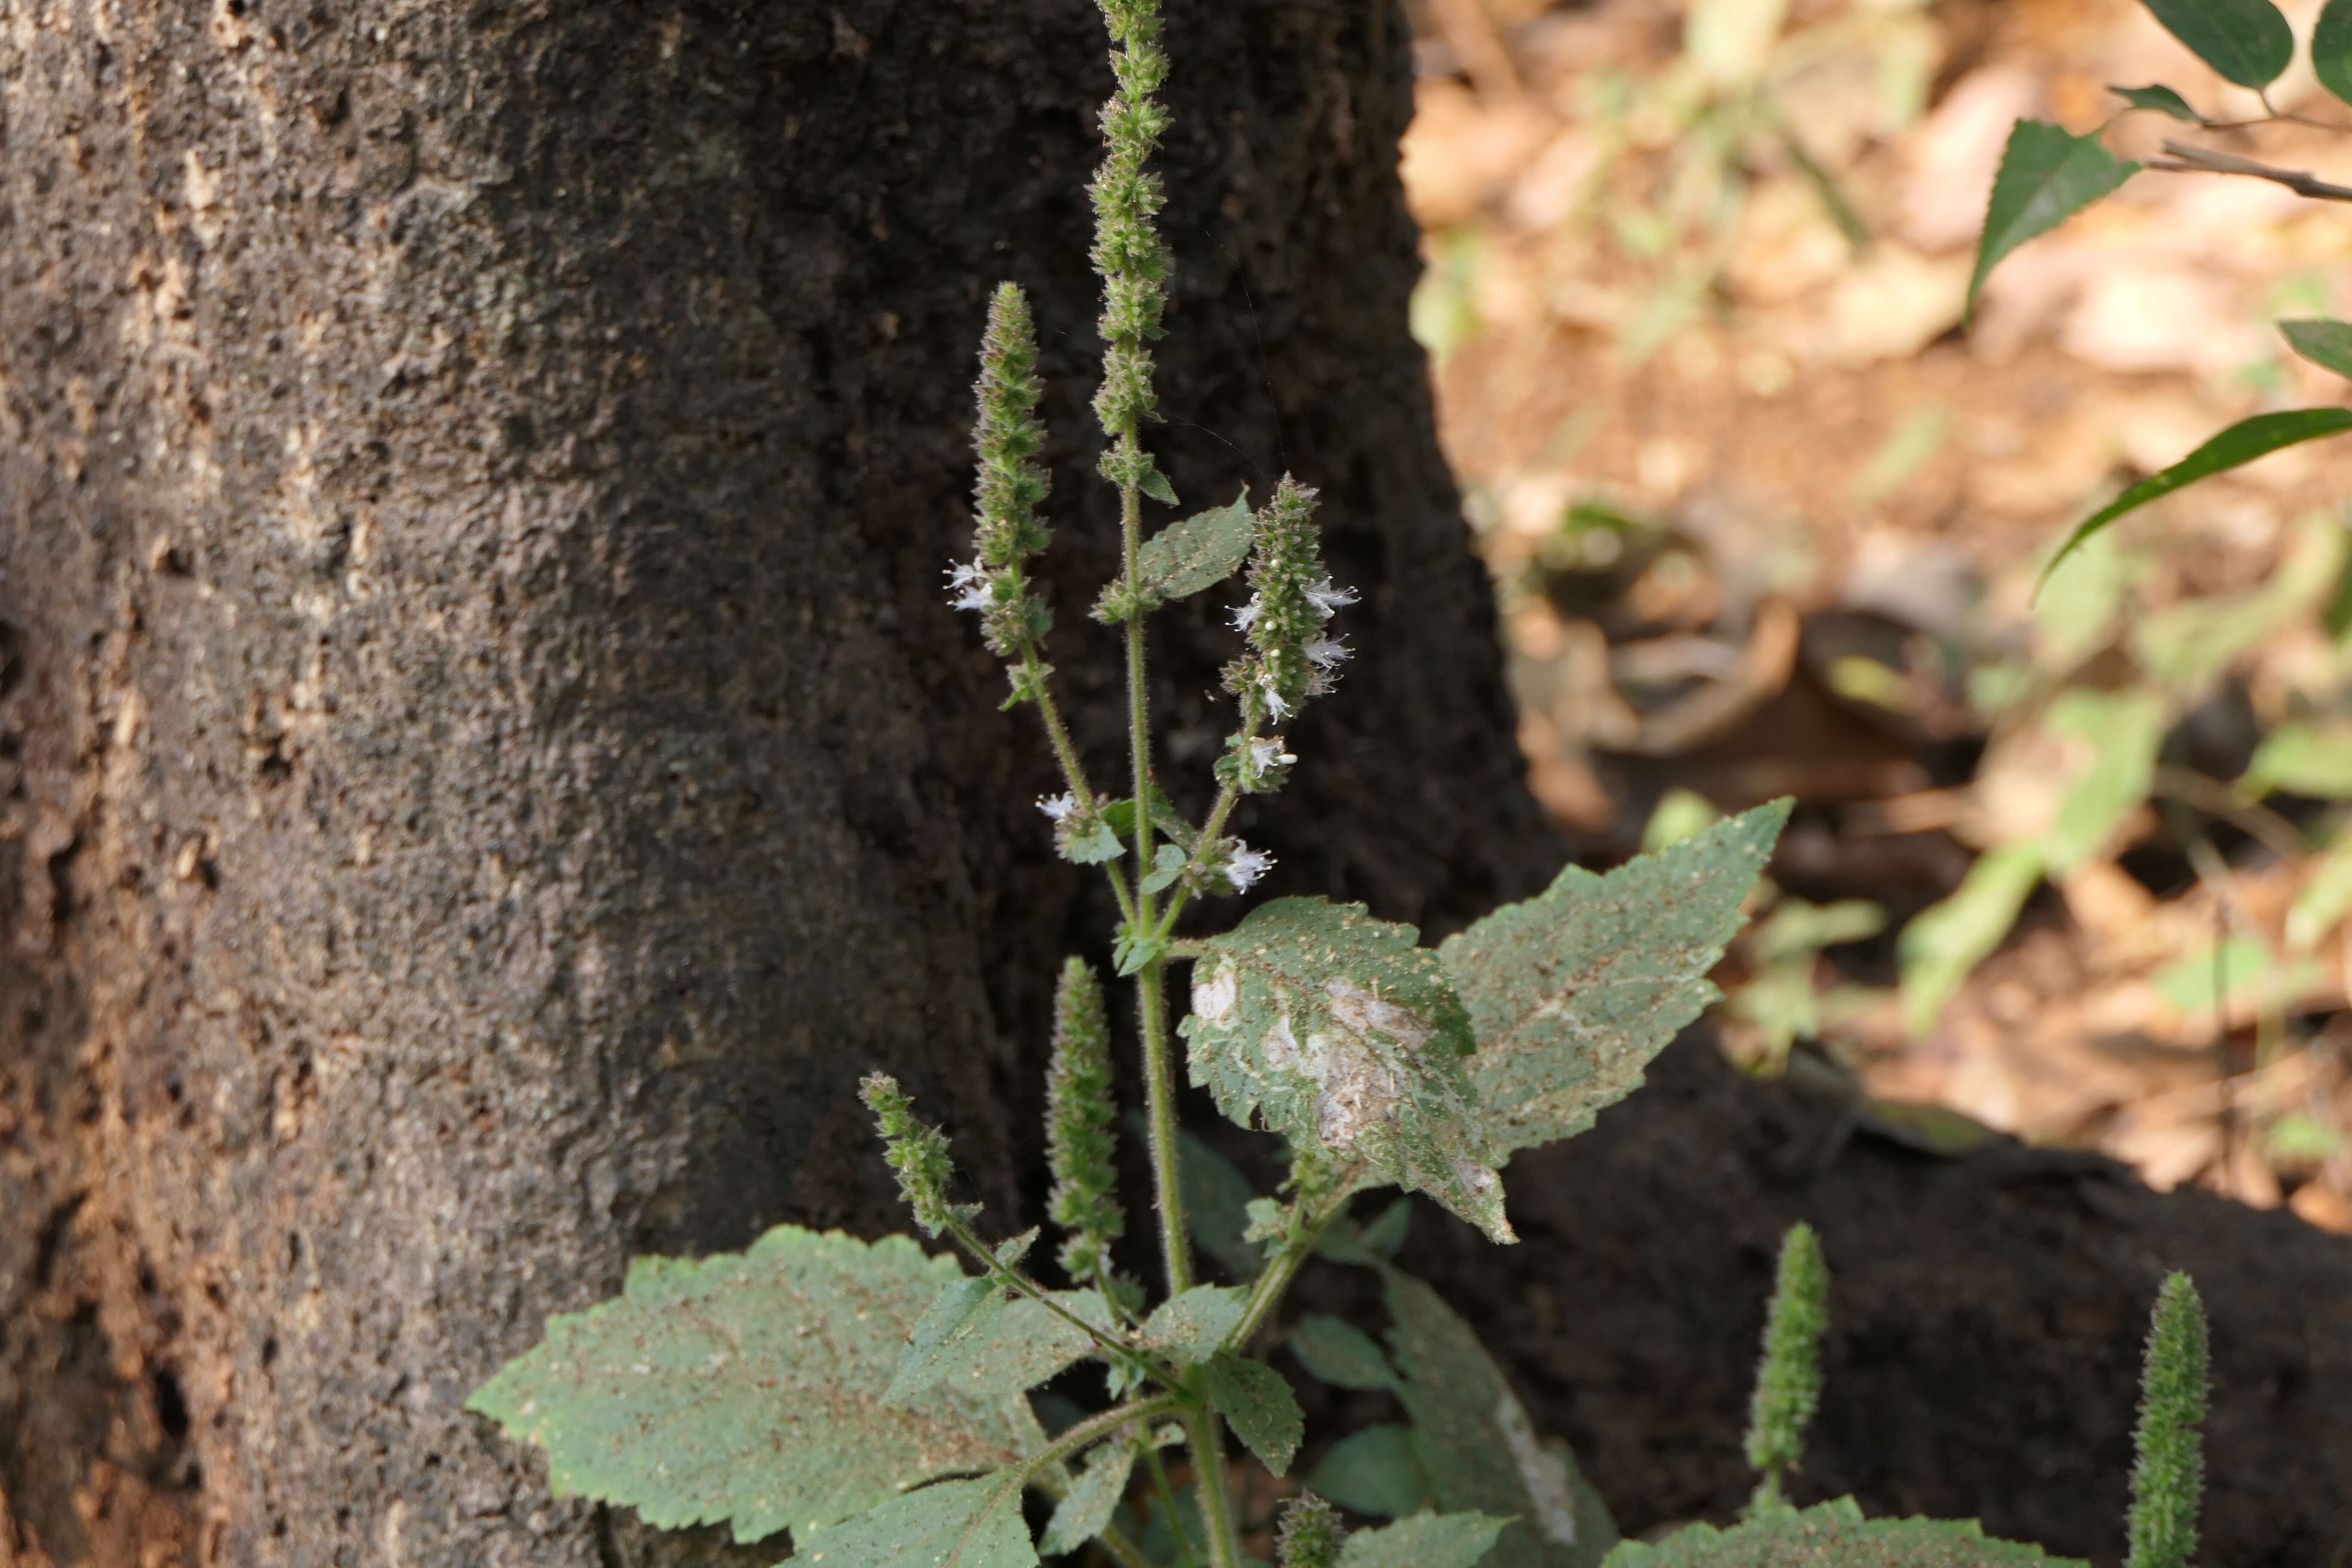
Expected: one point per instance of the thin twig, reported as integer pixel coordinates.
(2205, 161)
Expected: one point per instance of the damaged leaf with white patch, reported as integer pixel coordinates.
(1342, 1034)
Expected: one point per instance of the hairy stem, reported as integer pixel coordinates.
(1107, 1343)
(1203, 1436)
(1160, 1091)
(1168, 1502)
(1266, 1293)
(1073, 774)
(1094, 1428)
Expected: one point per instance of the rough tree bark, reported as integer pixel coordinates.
(489, 759)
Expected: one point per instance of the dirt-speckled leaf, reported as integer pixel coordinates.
(1197, 552)
(2241, 443)
(1340, 1353)
(1191, 1326)
(1258, 1404)
(2331, 49)
(958, 1325)
(1339, 1031)
(1833, 1535)
(1426, 1540)
(1574, 991)
(955, 1524)
(1031, 1343)
(2246, 41)
(2161, 99)
(2328, 344)
(1477, 1446)
(749, 1387)
(1093, 1497)
(2046, 177)
(1376, 1471)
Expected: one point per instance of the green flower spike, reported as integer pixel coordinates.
(1005, 441)
(917, 1153)
(1078, 1113)
(2169, 1476)
(1311, 1535)
(1789, 1379)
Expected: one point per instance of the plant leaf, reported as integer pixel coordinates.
(1377, 1471)
(1191, 1326)
(1476, 1444)
(1155, 485)
(1833, 1535)
(1034, 1344)
(748, 1386)
(1340, 1353)
(1080, 1516)
(2046, 177)
(1216, 1206)
(1947, 940)
(1197, 552)
(2247, 41)
(961, 1321)
(1093, 843)
(954, 1524)
(1166, 865)
(2241, 443)
(1428, 1540)
(1572, 991)
(1257, 1403)
(1345, 1035)
(2161, 99)
(2328, 344)
(2331, 49)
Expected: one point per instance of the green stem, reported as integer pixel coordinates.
(1209, 832)
(1168, 1503)
(1105, 1343)
(1125, 1552)
(1266, 1292)
(1073, 773)
(1160, 1093)
(1094, 1428)
(1203, 1434)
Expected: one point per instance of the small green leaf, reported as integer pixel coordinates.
(1216, 1207)
(1120, 814)
(958, 1325)
(1092, 843)
(2246, 41)
(1833, 1535)
(2306, 759)
(954, 1524)
(2046, 177)
(1257, 1403)
(1344, 1036)
(1191, 1327)
(2241, 443)
(1384, 1237)
(2161, 99)
(1943, 941)
(1377, 1471)
(1200, 552)
(748, 1386)
(1131, 950)
(1155, 485)
(1573, 991)
(2331, 49)
(1427, 1541)
(1080, 1516)
(1012, 1250)
(1478, 1446)
(1166, 865)
(1340, 1353)
(2328, 344)
(2118, 734)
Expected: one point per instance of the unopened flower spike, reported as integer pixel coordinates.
(1128, 252)
(1080, 1143)
(1788, 1380)
(2168, 1473)
(918, 1153)
(1311, 1535)
(1006, 439)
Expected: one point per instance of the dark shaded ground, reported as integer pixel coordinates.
(1987, 1319)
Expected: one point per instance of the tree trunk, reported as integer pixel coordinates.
(489, 759)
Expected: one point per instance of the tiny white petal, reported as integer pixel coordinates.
(1247, 617)
(1058, 806)
(976, 597)
(1328, 598)
(1246, 866)
(1325, 652)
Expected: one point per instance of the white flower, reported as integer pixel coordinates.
(1058, 806)
(1264, 754)
(1274, 702)
(1328, 599)
(1325, 652)
(1246, 866)
(1247, 617)
(969, 581)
